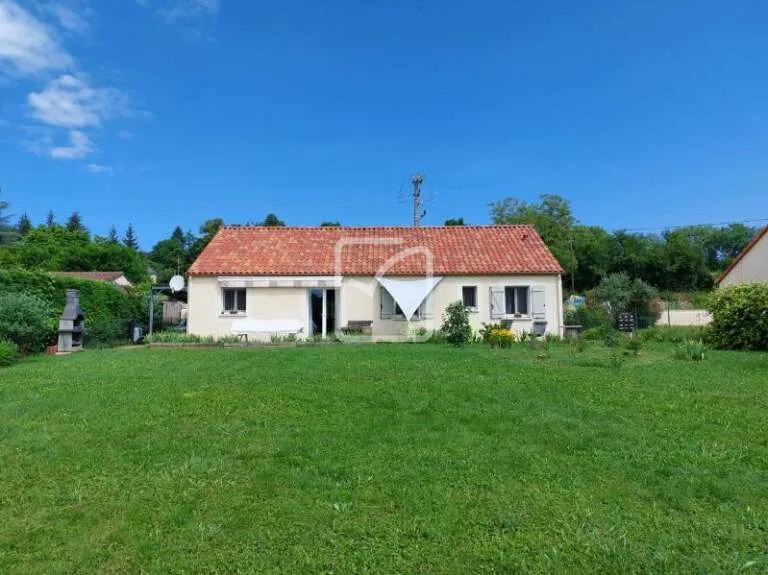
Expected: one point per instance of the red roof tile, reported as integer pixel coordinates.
(296, 251)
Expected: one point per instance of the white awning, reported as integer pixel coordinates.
(409, 293)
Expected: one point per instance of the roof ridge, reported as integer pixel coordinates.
(464, 226)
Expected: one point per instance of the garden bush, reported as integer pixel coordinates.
(9, 353)
(630, 295)
(690, 350)
(27, 321)
(108, 308)
(456, 324)
(740, 317)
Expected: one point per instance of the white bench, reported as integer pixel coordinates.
(243, 326)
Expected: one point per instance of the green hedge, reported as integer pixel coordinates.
(108, 309)
(740, 317)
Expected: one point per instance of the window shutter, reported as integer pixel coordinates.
(387, 304)
(426, 308)
(538, 302)
(497, 303)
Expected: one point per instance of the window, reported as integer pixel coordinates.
(469, 296)
(234, 300)
(516, 300)
(391, 309)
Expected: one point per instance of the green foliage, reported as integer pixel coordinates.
(75, 223)
(130, 240)
(690, 350)
(26, 320)
(9, 352)
(272, 221)
(634, 344)
(456, 324)
(454, 222)
(108, 309)
(330, 225)
(24, 226)
(627, 295)
(740, 317)
(673, 334)
(500, 338)
(589, 315)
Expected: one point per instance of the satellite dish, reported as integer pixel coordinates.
(176, 283)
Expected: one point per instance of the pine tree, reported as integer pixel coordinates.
(4, 218)
(112, 238)
(273, 221)
(130, 238)
(50, 220)
(24, 226)
(75, 223)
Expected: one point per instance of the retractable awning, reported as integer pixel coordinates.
(409, 293)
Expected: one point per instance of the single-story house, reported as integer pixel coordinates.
(117, 278)
(392, 281)
(751, 265)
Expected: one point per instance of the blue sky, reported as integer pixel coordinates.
(166, 112)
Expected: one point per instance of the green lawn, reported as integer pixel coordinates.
(383, 459)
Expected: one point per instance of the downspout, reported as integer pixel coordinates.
(560, 319)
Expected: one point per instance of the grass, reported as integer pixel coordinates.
(383, 459)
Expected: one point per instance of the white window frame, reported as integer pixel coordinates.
(236, 300)
(471, 308)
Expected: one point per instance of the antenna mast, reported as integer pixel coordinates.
(417, 180)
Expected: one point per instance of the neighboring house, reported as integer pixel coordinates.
(751, 265)
(326, 278)
(117, 278)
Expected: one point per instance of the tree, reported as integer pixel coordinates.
(330, 225)
(273, 221)
(207, 231)
(8, 233)
(454, 222)
(130, 240)
(4, 217)
(552, 217)
(112, 238)
(50, 220)
(75, 223)
(24, 226)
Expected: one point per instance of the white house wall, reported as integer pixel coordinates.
(359, 300)
(751, 268)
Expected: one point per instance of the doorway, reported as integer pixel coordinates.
(322, 311)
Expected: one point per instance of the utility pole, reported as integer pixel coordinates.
(417, 180)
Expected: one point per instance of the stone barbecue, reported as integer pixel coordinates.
(71, 324)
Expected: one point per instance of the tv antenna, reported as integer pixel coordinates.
(419, 198)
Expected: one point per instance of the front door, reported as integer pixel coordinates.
(322, 311)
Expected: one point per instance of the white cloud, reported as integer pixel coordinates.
(27, 46)
(70, 102)
(80, 146)
(188, 9)
(68, 16)
(99, 169)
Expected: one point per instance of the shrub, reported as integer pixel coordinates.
(456, 324)
(633, 345)
(9, 353)
(740, 317)
(690, 350)
(589, 315)
(673, 334)
(106, 333)
(627, 295)
(27, 321)
(500, 338)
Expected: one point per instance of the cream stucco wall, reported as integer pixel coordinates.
(359, 300)
(205, 306)
(753, 267)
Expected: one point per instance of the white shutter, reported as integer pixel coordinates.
(387, 305)
(497, 303)
(426, 309)
(538, 303)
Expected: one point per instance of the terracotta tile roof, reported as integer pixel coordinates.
(95, 276)
(297, 251)
(745, 251)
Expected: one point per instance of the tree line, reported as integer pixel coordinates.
(680, 259)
